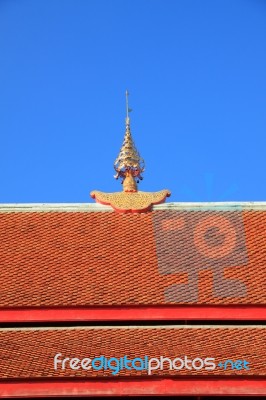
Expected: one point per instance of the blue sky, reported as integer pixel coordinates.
(196, 74)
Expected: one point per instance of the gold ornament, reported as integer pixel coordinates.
(129, 167)
(130, 201)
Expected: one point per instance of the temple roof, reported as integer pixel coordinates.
(87, 255)
(70, 263)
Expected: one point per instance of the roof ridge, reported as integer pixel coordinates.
(96, 207)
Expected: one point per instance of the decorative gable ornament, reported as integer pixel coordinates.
(129, 167)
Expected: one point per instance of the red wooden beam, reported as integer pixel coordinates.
(143, 387)
(140, 313)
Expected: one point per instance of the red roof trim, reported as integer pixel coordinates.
(138, 313)
(127, 387)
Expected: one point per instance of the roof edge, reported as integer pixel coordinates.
(96, 207)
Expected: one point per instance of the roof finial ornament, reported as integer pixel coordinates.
(129, 167)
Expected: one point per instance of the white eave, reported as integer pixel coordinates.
(95, 207)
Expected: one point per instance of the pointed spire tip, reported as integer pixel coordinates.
(129, 165)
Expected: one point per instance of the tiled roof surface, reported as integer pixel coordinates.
(30, 353)
(105, 258)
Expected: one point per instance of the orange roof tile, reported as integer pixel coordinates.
(29, 353)
(167, 256)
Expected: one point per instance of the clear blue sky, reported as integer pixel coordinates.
(196, 73)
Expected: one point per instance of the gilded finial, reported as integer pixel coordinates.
(129, 165)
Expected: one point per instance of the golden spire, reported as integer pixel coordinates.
(129, 165)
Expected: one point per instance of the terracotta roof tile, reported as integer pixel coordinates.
(104, 258)
(30, 353)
